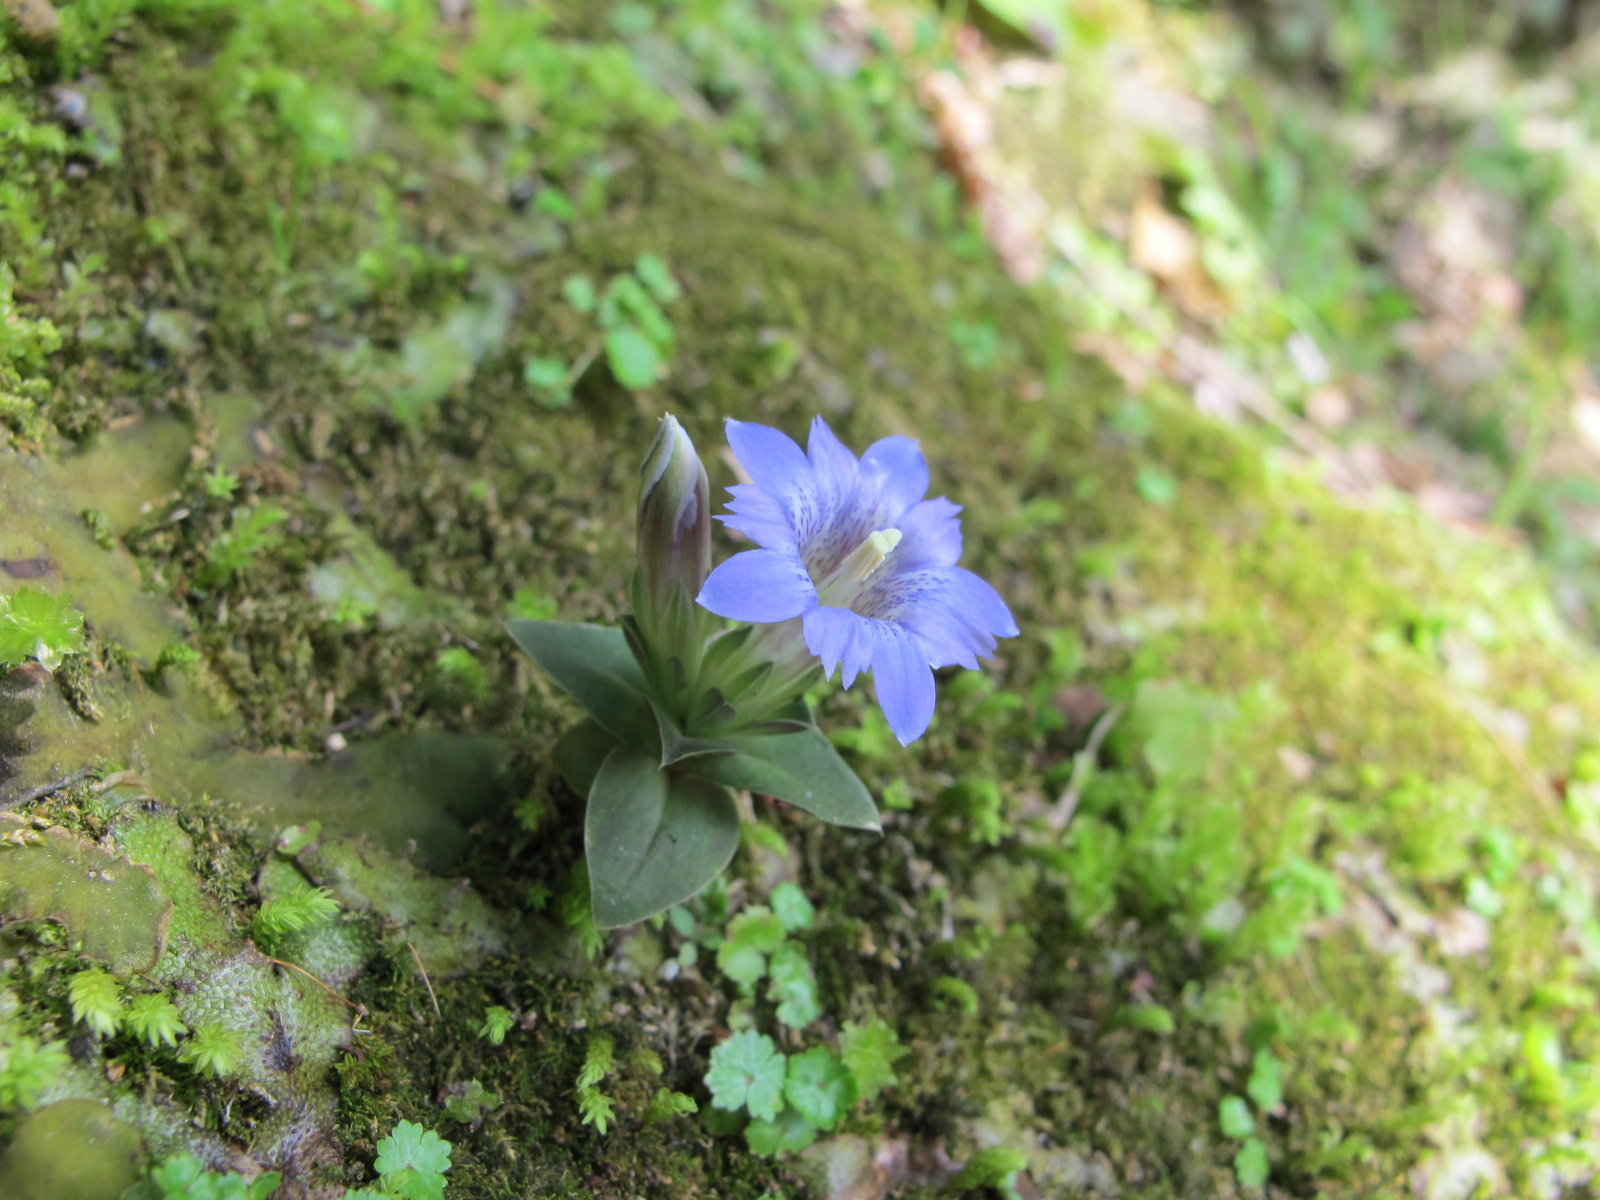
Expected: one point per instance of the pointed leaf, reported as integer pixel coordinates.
(651, 839)
(580, 752)
(799, 768)
(677, 746)
(595, 667)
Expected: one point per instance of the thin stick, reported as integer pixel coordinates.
(423, 972)
(1082, 763)
(47, 789)
(361, 1009)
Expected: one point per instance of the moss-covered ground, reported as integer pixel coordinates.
(1263, 862)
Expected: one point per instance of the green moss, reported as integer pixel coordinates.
(1306, 702)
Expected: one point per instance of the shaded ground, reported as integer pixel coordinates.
(1264, 860)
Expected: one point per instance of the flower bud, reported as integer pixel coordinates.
(674, 518)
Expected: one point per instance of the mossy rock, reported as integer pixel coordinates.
(74, 1150)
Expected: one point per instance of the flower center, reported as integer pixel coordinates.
(844, 582)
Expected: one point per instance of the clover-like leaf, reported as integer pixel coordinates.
(413, 1161)
(747, 1071)
(819, 1087)
(794, 986)
(793, 908)
(788, 1131)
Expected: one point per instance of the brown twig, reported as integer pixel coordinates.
(47, 789)
(361, 1009)
(424, 973)
(1082, 763)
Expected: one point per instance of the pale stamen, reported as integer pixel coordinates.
(844, 583)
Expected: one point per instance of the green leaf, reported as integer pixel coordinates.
(595, 667)
(788, 1132)
(1250, 1164)
(819, 1087)
(752, 935)
(579, 292)
(1156, 486)
(656, 276)
(666, 1104)
(580, 752)
(992, 1167)
(794, 986)
(747, 1072)
(410, 1147)
(793, 909)
(544, 372)
(497, 1022)
(676, 746)
(1266, 1081)
(633, 358)
(870, 1050)
(1233, 1114)
(799, 768)
(35, 624)
(651, 839)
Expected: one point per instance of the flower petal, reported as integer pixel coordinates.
(835, 466)
(956, 614)
(830, 633)
(759, 517)
(930, 536)
(759, 586)
(897, 472)
(903, 679)
(781, 469)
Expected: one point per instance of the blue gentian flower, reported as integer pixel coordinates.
(851, 548)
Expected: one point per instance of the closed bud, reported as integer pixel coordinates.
(674, 519)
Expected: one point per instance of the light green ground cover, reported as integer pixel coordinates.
(350, 289)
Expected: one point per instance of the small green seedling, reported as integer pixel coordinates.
(412, 1163)
(154, 1020)
(186, 1178)
(594, 1105)
(747, 1071)
(251, 533)
(213, 1050)
(37, 625)
(27, 1068)
(95, 1001)
(298, 909)
(497, 1022)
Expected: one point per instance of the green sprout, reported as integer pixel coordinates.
(27, 1068)
(298, 909)
(184, 1177)
(154, 1019)
(497, 1022)
(595, 1107)
(35, 624)
(95, 1001)
(213, 1050)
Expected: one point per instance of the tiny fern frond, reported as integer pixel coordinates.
(297, 909)
(95, 1002)
(594, 1106)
